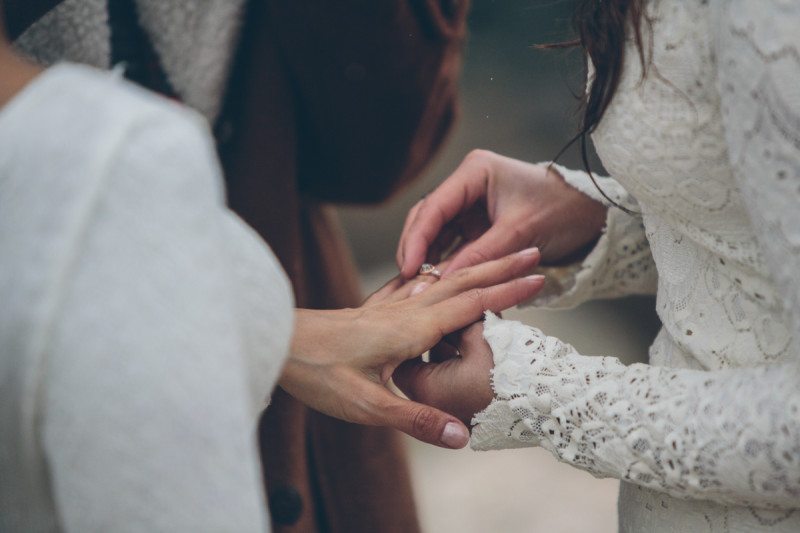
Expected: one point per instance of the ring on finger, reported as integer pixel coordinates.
(428, 269)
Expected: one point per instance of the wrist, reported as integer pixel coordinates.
(576, 220)
(318, 334)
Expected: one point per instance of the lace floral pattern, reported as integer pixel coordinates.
(679, 432)
(709, 144)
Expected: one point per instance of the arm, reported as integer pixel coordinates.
(147, 423)
(728, 436)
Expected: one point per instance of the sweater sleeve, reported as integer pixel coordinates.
(620, 264)
(730, 436)
(148, 424)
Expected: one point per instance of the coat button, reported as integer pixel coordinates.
(285, 505)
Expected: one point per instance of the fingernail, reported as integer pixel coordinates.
(419, 288)
(535, 277)
(455, 435)
(529, 251)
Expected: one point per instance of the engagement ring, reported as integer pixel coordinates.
(428, 269)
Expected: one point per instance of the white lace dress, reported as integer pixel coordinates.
(707, 148)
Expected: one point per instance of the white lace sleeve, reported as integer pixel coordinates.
(620, 264)
(731, 436)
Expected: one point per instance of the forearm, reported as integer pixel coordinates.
(729, 436)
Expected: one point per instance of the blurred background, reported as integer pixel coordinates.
(520, 102)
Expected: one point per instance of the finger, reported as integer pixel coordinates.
(410, 288)
(470, 338)
(460, 245)
(458, 234)
(422, 422)
(412, 377)
(456, 194)
(412, 213)
(443, 243)
(424, 382)
(442, 352)
(460, 386)
(405, 289)
(441, 265)
(482, 275)
(384, 293)
(500, 240)
(464, 309)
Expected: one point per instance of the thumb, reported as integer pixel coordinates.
(424, 423)
(498, 241)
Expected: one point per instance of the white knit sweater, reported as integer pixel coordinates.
(142, 325)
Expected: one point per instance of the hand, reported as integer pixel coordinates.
(341, 361)
(399, 288)
(459, 385)
(493, 205)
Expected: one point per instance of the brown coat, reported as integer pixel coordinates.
(334, 101)
(329, 102)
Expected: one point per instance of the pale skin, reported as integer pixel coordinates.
(489, 207)
(342, 360)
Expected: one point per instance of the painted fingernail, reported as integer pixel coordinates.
(535, 277)
(419, 288)
(529, 251)
(455, 435)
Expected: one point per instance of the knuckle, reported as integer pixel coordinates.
(463, 274)
(461, 277)
(477, 297)
(427, 214)
(477, 257)
(373, 409)
(480, 159)
(518, 234)
(479, 154)
(424, 421)
(438, 211)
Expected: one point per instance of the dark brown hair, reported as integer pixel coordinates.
(602, 27)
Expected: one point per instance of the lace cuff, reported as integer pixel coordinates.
(730, 436)
(580, 180)
(620, 264)
(535, 379)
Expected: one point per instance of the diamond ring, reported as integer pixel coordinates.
(428, 269)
